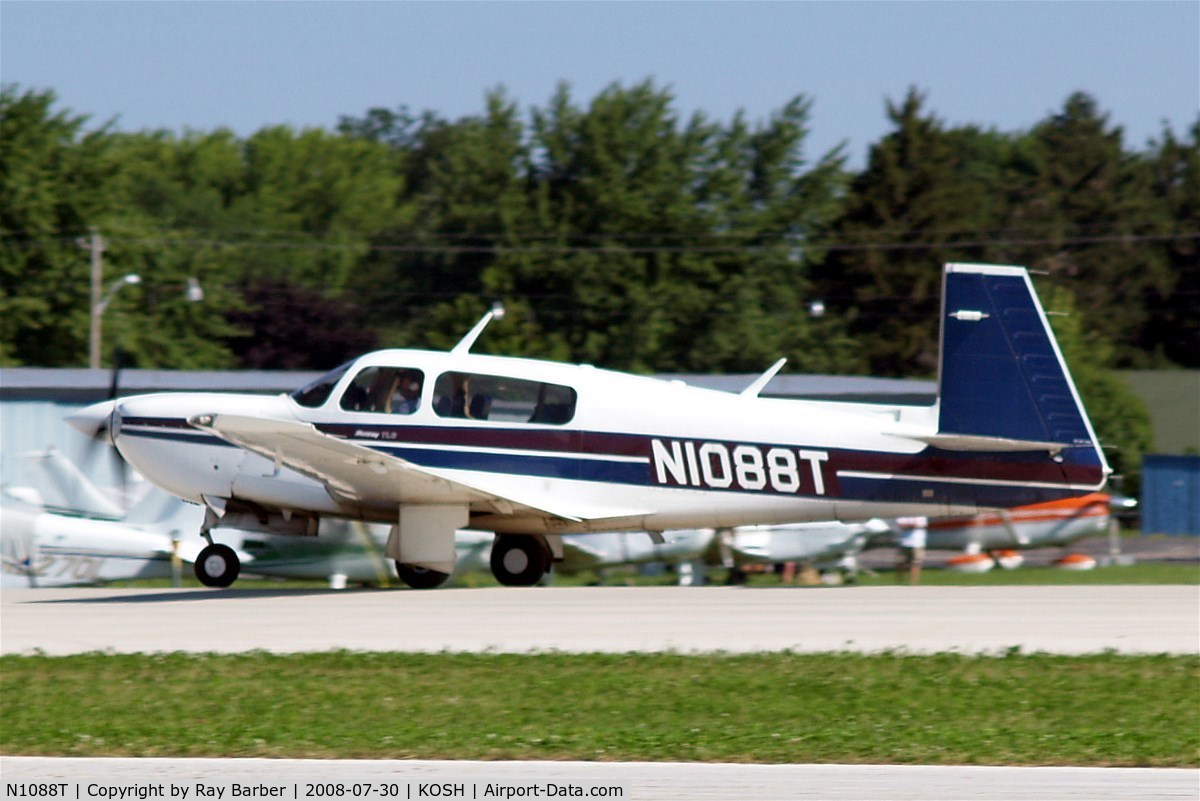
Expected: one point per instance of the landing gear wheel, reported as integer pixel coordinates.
(217, 566)
(420, 578)
(519, 561)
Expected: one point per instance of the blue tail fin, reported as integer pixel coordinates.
(1001, 375)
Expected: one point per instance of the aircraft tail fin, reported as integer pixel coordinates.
(1003, 384)
(69, 489)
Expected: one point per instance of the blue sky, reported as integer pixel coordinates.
(245, 65)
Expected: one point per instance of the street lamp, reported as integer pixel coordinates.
(98, 312)
(96, 246)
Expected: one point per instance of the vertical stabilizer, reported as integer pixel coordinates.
(1002, 375)
(68, 489)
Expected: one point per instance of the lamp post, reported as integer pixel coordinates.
(98, 308)
(94, 244)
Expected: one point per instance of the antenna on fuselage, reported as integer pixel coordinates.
(761, 382)
(464, 344)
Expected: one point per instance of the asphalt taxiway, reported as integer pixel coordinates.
(1056, 619)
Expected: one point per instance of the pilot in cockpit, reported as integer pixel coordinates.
(407, 397)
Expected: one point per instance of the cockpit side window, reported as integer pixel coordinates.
(315, 394)
(384, 390)
(510, 400)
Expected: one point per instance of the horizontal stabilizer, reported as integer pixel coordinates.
(979, 444)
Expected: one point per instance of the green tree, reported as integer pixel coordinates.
(167, 221)
(1090, 213)
(284, 209)
(922, 201)
(1120, 419)
(677, 247)
(53, 178)
(287, 327)
(311, 203)
(614, 233)
(1172, 330)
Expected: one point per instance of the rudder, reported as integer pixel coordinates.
(1001, 373)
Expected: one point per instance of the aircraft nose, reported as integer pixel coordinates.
(94, 420)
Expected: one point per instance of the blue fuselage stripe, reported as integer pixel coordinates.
(540, 465)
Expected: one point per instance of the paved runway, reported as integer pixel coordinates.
(1069, 620)
(1141, 619)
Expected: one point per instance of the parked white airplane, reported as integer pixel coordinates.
(621, 548)
(44, 548)
(348, 551)
(353, 552)
(68, 532)
(985, 539)
(434, 442)
(818, 543)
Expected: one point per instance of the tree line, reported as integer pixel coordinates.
(615, 232)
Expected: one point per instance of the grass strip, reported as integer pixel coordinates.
(1183, 572)
(1141, 573)
(1017, 709)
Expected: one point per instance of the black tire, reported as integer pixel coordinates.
(420, 578)
(519, 560)
(217, 566)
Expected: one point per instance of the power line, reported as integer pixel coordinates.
(617, 249)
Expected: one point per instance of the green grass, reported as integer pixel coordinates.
(1139, 573)
(1018, 709)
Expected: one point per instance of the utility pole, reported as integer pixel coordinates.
(95, 244)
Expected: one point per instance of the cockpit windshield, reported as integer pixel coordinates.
(315, 394)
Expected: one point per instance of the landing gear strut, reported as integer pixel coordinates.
(217, 566)
(420, 578)
(519, 561)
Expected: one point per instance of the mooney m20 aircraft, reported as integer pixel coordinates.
(431, 442)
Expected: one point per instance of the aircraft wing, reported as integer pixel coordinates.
(355, 474)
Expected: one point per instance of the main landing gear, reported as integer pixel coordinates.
(420, 578)
(217, 565)
(519, 561)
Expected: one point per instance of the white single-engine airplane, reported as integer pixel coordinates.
(432, 442)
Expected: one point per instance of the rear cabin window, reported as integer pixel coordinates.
(507, 400)
(384, 390)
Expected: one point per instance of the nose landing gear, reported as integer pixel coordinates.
(217, 565)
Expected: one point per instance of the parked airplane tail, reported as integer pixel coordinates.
(1003, 384)
(67, 488)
